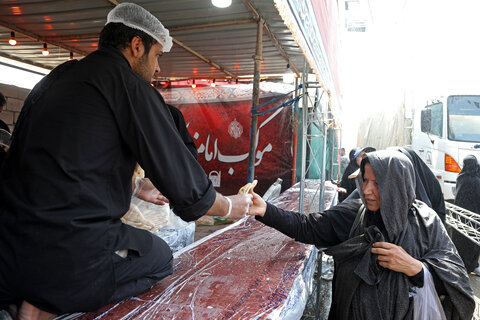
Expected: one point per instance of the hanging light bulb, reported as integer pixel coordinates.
(71, 56)
(12, 41)
(213, 83)
(288, 76)
(45, 51)
(193, 84)
(222, 3)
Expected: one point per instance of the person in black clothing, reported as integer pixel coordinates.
(344, 161)
(385, 246)
(347, 185)
(147, 191)
(345, 182)
(3, 103)
(427, 187)
(66, 181)
(467, 188)
(179, 121)
(4, 136)
(467, 196)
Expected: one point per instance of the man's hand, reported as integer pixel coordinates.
(395, 258)
(240, 205)
(258, 207)
(148, 192)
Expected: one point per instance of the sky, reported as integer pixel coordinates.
(413, 51)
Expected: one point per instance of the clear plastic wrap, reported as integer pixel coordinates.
(162, 221)
(243, 271)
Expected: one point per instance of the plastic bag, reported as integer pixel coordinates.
(426, 304)
(167, 225)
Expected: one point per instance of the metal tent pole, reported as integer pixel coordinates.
(304, 135)
(255, 102)
(324, 163)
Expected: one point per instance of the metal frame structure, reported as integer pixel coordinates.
(209, 43)
(465, 221)
(315, 114)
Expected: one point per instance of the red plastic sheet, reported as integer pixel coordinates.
(245, 271)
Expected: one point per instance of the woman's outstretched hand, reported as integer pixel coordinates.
(258, 207)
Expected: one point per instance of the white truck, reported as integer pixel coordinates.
(444, 132)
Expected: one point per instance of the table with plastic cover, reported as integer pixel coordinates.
(244, 271)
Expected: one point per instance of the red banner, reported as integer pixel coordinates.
(219, 122)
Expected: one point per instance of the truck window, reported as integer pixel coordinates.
(437, 119)
(464, 118)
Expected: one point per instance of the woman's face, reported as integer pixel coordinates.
(370, 189)
(360, 157)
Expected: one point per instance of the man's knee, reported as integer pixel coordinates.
(162, 259)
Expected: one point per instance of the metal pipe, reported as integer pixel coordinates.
(304, 136)
(324, 160)
(295, 136)
(319, 285)
(212, 25)
(203, 58)
(256, 15)
(171, 29)
(38, 38)
(44, 66)
(257, 58)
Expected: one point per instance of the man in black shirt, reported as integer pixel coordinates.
(67, 180)
(3, 103)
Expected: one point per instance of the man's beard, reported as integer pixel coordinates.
(141, 67)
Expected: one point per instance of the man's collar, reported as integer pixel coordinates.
(115, 52)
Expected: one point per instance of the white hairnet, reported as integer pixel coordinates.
(136, 17)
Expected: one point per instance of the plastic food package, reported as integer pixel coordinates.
(168, 226)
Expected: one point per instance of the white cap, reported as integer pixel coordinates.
(136, 17)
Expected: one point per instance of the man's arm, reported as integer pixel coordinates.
(221, 207)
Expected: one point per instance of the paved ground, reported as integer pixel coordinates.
(475, 282)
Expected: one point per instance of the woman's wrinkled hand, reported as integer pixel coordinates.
(395, 258)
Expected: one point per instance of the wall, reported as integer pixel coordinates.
(15, 97)
(386, 128)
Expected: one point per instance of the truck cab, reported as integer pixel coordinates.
(444, 132)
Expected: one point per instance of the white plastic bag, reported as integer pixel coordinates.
(426, 304)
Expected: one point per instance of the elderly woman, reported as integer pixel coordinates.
(392, 244)
(347, 185)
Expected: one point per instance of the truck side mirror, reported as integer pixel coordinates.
(426, 120)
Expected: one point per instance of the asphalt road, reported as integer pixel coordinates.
(475, 282)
